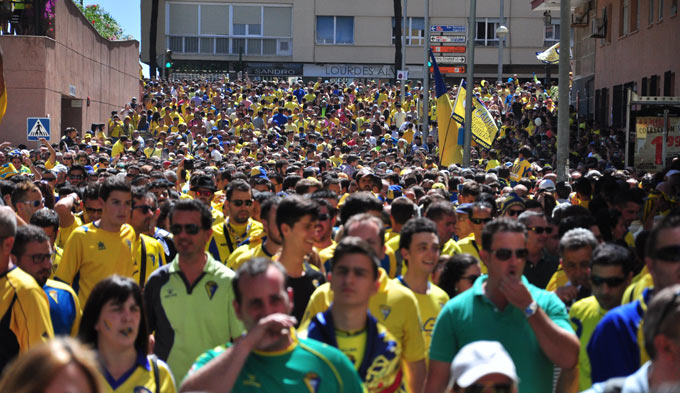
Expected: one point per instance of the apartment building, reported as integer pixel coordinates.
(335, 39)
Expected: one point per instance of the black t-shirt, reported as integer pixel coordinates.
(303, 287)
(540, 273)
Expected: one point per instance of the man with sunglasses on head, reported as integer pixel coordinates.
(615, 349)
(540, 266)
(478, 214)
(610, 274)
(189, 301)
(238, 224)
(33, 253)
(531, 323)
(149, 252)
(101, 248)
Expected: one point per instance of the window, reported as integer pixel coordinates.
(660, 7)
(415, 31)
(635, 15)
(225, 29)
(624, 25)
(486, 32)
(552, 33)
(645, 86)
(674, 7)
(650, 20)
(334, 29)
(668, 83)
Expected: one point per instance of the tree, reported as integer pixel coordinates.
(103, 22)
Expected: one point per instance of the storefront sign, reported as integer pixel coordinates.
(649, 139)
(349, 70)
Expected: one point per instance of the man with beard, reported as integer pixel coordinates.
(148, 252)
(189, 300)
(271, 243)
(238, 225)
(32, 252)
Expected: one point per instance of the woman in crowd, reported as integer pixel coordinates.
(114, 324)
(458, 273)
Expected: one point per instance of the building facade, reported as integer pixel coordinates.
(334, 39)
(75, 77)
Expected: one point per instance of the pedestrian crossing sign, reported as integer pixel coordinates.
(38, 127)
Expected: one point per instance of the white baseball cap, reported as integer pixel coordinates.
(478, 359)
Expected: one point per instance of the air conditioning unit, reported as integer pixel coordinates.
(579, 18)
(598, 28)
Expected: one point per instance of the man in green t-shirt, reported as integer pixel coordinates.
(270, 357)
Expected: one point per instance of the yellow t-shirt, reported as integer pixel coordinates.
(154, 255)
(143, 379)
(65, 232)
(352, 344)
(92, 254)
(221, 247)
(451, 248)
(468, 245)
(429, 306)
(584, 316)
(393, 306)
(520, 169)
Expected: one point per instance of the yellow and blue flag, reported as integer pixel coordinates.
(450, 151)
(484, 128)
(550, 55)
(7, 170)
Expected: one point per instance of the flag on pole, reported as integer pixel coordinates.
(550, 55)
(484, 128)
(450, 152)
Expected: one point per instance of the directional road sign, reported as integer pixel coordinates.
(448, 28)
(458, 39)
(37, 127)
(448, 49)
(450, 60)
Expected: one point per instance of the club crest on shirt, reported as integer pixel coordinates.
(312, 381)
(211, 288)
(140, 389)
(101, 246)
(385, 310)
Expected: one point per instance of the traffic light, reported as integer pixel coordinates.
(429, 63)
(168, 58)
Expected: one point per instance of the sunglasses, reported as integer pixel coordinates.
(76, 177)
(203, 193)
(668, 253)
(190, 229)
(49, 179)
(324, 217)
(503, 254)
(540, 230)
(68, 158)
(610, 281)
(39, 258)
(239, 202)
(512, 213)
(490, 387)
(90, 210)
(36, 203)
(478, 221)
(145, 209)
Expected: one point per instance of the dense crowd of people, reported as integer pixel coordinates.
(304, 236)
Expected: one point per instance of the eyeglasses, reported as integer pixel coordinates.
(478, 221)
(489, 388)
(204, 193)
(239, 202)
(91, 211)
(39, 258)
(68, 158)
(668, 253)
(503, 254)
(512, 213)
(49, 179)
(36, 203)
(667, 309)
(540, 230)
(76, 177)
(610, 281)
(190, 229)
(471, 277)
(145, 209)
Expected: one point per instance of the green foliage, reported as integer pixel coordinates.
(103, 22)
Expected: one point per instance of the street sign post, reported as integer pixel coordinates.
(448, 49)
(450, 60)
(458, 39)
(448, 28)
(450, 70)
(37, 127)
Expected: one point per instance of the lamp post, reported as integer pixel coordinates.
(501, 33)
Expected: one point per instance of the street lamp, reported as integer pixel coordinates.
(501, 33)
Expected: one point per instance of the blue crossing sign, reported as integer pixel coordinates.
(37, 127)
